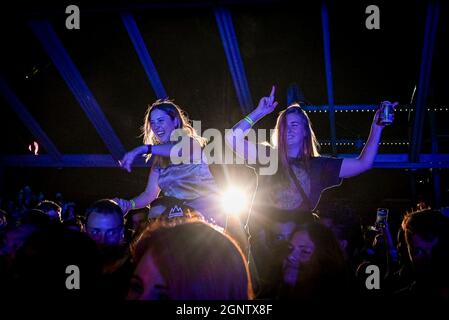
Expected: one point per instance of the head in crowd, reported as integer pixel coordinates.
(426, 234)
(136, 222)
(105, 223)
(279, 232)
(68, 212)
(161, 118)
(16, 235)
(25, 197)
(402, 249)
(344, 224)
(52, 260)
(3, 220)
(188, 259)
(74, 224)
(35, 217)
(278, 227)
(52, 209)
(315, 258)
(293, 130)
(138, 219)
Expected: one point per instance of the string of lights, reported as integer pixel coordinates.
(354, 143)
(369, 108)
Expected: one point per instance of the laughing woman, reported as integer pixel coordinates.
(188, 183)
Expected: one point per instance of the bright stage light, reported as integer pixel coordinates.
(234, 201)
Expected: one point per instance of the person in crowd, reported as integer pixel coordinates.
(105, 225)
(74, 224)
(189, 182)
(3, 220)
(401, 273)
(314, 269)
(346, 227)
(55, 263)
(52, 209)
(139, 220)
(136, 221)
(13, 239)
(302, 174)
(68, 212)
(270, 250)
(15, 235)
(188, 260)
(426, 234)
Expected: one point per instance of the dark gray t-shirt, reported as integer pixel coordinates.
(321, 174)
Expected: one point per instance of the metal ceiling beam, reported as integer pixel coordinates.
(67, 161)
(329, 81)
(71, 75)
(435, 173)
(143, 54)
(28, 120)
(433, 11)
(234, 59)
(392, 161)
(400, 160)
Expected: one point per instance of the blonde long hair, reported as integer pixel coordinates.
(174, 112)
(310, 146)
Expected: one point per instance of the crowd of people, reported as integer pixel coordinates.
(173, 242)
(181, 256)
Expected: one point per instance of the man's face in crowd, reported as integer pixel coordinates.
(105, 229)
(420, 252)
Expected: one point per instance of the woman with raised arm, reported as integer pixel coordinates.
(187, 183)
(293, 191)
(302, 173)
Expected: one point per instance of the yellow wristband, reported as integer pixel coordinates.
(249, 120)
(133, 204)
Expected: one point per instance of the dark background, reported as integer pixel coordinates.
(280, 43)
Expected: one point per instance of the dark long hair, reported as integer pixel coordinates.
(326, 271)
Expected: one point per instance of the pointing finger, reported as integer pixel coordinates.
(273, 90)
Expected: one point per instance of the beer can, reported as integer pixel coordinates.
(386, 113)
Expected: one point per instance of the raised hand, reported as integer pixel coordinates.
(129, 157)
(378, 112)
(127, 161)
(125, 205)
(267, 104)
